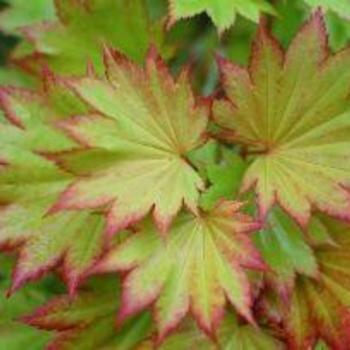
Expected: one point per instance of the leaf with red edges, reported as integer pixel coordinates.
(29, 186)
(232, 335)
(341, 7)
(291, 112)
(13, 334)
(83, 27)
(320, 309)
(222, 12)
(135, 143)
(194, 269)
(285, 249)
(87, 321)
(20, 13)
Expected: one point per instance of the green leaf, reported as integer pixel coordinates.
(222, 12)
(291, 14)
(134, 149)
(339, 31)
(284, 249)
(320, 309)
(84, 27)
(341, 7)
(87, 321)
(197, 267)
(13, 334)
(231, 336)
(21, 13)
(204, 156)
(291, 113)
(15, 77)
(321, 346)
(225, 179)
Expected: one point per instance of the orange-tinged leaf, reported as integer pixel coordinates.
(134, 146)
(290, 110)
(195, 268)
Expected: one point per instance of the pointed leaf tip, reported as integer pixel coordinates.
(157, 140)
(154, 269)
(285, 139)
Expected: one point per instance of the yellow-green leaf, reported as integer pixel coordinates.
(134, 146)
(291, 112)
(197, 267)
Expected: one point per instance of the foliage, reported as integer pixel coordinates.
(175, 184)
(222, 13)
(342, 7)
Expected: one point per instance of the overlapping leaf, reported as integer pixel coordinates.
(196, 268)
(30, 184)
(341, 7)
(135, 143)
(13, 334)
(19, 13)
(87, 321)
(223, 170)
(284, 248)
(232, 335)
(320, 309)
(225, 178)
(222, 12)
(292, 113)
(83, 27)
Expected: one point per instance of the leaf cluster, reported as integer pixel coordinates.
(169, 182)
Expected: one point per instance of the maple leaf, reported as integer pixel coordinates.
(232, 335)
(286, 251)
(87, 321)
(221, 168)
(341, 7)
(11, 309)
(225, 178)
(30, 184)
(291, 111)
(81, 30)
(197, 267)
(320, 309)
(222, 12)
(135, 144)
(20, 13)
